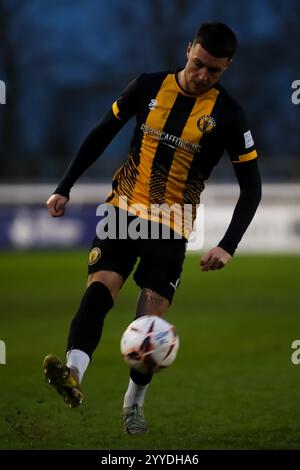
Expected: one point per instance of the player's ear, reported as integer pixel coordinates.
(188, 49)
(229, 62)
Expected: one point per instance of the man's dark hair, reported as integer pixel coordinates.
(217, 39)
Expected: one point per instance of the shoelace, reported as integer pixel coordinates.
(135, 418)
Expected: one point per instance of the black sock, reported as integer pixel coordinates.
(86, 327)
(140, 379)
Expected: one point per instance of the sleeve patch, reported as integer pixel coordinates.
(249, 142)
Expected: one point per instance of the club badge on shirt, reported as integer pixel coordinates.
(206, 123)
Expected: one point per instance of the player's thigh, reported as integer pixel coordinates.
(110, 262)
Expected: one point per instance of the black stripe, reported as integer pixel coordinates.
(151, 85)
(164, 154)
(211, 150)
(194, 184)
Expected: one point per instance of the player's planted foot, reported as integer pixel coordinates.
(63, 379)
(134, 420)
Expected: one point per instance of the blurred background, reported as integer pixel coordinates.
(64, 62)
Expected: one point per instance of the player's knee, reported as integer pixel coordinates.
(111, 280)
(151, 303)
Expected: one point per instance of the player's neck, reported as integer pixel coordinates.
(181, 80)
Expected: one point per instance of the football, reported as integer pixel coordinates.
(149, 344)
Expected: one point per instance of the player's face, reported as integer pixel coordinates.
(202, 69)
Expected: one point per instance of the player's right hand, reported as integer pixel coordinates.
(57, 205)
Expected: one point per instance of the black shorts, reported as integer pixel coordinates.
(159, 267)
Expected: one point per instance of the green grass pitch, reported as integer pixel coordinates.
(233, 385)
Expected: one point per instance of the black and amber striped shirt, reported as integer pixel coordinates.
(177, 141)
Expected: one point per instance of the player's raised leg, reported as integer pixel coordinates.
(84, 336)
(149, 303)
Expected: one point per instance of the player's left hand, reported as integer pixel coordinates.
(216, 258)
